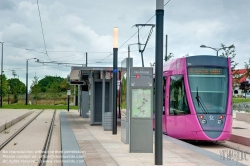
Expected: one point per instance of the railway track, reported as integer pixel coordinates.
(19, 131)
(226, 150)
(44, 154)
(42, 159)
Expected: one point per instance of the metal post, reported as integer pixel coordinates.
(128, 51)
(142, 61)
(115, 52)
(86, 59)
(68, 102)
(103, 97)
(76, 95)
(166, 52)
(158, 80)
(26, 102)
(80, 99)
(119, 95)
(217, 52)
(2, 77)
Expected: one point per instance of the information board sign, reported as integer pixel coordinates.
(141, 103)
(68, 92)
(141, 110)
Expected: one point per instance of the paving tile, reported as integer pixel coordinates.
(108, 149)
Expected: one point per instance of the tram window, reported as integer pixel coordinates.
(164, 90)
(163, 96)
(154, 95)
(178, 99)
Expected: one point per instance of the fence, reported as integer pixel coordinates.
(39, 99)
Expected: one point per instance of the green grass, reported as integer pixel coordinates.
(240, 100)
(65, 107)
(13, 106)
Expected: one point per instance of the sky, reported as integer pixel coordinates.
(72, 28)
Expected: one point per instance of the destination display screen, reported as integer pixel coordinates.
(205, 71)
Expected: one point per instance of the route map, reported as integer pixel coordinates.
(141, 103)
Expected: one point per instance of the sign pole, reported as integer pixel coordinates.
(158, 80)
(68, 94)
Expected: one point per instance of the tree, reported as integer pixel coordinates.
(34, 88)
(16, 87)
(152, 64)
(5, 86)
(46, 82)
(124, 89)
(53, 90)
(247, 67)
(229, 52)
(64, 85)
(168, 57)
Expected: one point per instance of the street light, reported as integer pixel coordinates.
(26, 102)
(9, 95)
(115, 52)
(216, 49)
(2, 77)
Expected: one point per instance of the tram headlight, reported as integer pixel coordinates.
(220, 121)
(203, 121)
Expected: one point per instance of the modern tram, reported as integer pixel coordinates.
(197, 98)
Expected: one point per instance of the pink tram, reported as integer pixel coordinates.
(197, 98)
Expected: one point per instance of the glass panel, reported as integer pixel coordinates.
(178, 100)
(141, 103)
(208, 88)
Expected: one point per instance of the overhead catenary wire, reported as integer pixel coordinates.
(140, 28)
(65, 51)
(42, 31)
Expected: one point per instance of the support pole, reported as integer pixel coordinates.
(68, 102)
(115, 50)
(103, 97)
(115, 71)
(158, 80)
(86, 59)
(142, 61)
(2, 77)
(26, 101)
(166, 51)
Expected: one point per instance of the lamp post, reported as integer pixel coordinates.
(2, 77)
(158, 80)
(115, 51)
(216, 49)
(9, 95)
(26, 102)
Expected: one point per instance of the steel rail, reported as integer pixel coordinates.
(16, 133)
(44, 154)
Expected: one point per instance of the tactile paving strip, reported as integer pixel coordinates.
(95, 154)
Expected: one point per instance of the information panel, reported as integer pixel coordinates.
(141, 110)
(205, 71)
(141, 103)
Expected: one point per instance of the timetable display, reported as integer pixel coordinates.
(205, 71)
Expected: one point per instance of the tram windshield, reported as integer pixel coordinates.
(209, 89)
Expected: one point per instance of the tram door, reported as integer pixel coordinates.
(164, 112)
(178, 107)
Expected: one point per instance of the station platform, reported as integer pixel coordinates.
(240, 131)
(101, 147)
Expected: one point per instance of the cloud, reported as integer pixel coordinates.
(7, 5)
(72, 28)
